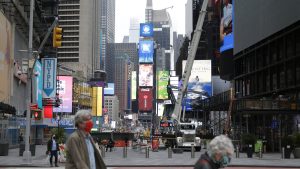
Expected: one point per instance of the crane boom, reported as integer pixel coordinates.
(190, 60)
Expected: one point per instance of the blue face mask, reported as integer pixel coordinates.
(225, 160)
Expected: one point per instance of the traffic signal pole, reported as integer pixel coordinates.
(27, 154)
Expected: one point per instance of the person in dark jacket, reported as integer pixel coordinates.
(219, 153)
(52, 149)
(110, 145)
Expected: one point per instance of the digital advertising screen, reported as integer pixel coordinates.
(133, 85)
(145, 99)
(110, 89)
(64, 87)
(226, 25)
(162, 83)
(199, 84)
(146, 75)
(146, 29)
(146, 51)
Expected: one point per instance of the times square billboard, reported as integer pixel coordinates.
(199, 84)
(64, 89)
(146, 75)
(146, 51)
(145, 96)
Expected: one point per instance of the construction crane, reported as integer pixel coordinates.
(185, 133)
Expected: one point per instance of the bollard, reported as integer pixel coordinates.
(169, 152)
(237, 152)
(260, 152)
(282, 153)
(193, 151)
(147, 152)
(124, 152)
(102, 148)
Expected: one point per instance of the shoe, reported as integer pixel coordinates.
(56, 165)
(51, 165)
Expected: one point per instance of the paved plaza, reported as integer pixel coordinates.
(136, 158)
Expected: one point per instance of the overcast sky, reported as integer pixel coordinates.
(126, 9)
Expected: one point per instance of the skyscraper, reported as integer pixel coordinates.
(114, 50)
(134, 30)
(80, 25)
(162, 31)
(107, 34)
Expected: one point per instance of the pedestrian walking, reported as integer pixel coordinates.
(220, 150)
(110, 145)
(53, 149)
(80, 148)
(21, 138)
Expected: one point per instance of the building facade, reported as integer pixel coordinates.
(111, 103)
(107, 33)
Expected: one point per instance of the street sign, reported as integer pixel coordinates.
(49, 69)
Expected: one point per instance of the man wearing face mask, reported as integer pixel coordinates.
(80, 147)
(219, 153)
(52, 149)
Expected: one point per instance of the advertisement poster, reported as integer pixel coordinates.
(146, 52)
(97, 101)
(5, 57)
(145, 75)
(199, 85)
(145, 99)
(162, 83)
(146, 30)
(226, 25)
(39, 84)
(64, 89)
(133, 85)
(110, 89)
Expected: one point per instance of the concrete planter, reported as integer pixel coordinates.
(4, 149)
(297, 152)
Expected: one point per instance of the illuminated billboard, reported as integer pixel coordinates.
(199, 84)
(133, 85)
(145, 75)
(64, 89)
(146, 29)
(110, 89)
(226, 25)
(146, 51)
(97, 101)
(162, 83)
(160, 109)
(6, 52)
(145, 99)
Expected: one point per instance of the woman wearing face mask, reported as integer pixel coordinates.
(80, 147)
(219, 153)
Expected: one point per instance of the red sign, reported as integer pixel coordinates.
(48, 112)
(33, 106)
(145, 99)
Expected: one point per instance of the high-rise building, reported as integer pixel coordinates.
(134, 31)
(111, 103)
(114, 50)
(107, 34)
(162, 31)
(121, 79)
(126, 39)
(177, 43)
(80, 23)
(189, 18)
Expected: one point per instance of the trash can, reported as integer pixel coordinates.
(4, 149)
(31, 148)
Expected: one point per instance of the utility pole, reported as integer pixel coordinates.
(27, 153)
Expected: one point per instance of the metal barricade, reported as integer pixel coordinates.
(169, 152)
(125, 152)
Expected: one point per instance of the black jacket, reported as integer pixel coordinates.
(205, 162)
(49, 145)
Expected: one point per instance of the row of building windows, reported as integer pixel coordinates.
(61, 18)
(69, 7)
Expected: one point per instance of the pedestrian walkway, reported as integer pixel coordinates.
(137, 158)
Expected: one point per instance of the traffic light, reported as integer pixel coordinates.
(37, 115)
(57, 37)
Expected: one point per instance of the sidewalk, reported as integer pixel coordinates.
(136, 158)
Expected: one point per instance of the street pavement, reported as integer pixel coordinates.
(159, 159)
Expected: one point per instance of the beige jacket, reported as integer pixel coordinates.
(77, 153)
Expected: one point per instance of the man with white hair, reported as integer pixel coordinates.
(219, 153)
(81, 150)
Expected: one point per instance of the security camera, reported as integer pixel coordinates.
(19, 72)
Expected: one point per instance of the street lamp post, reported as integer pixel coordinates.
(27, 153)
